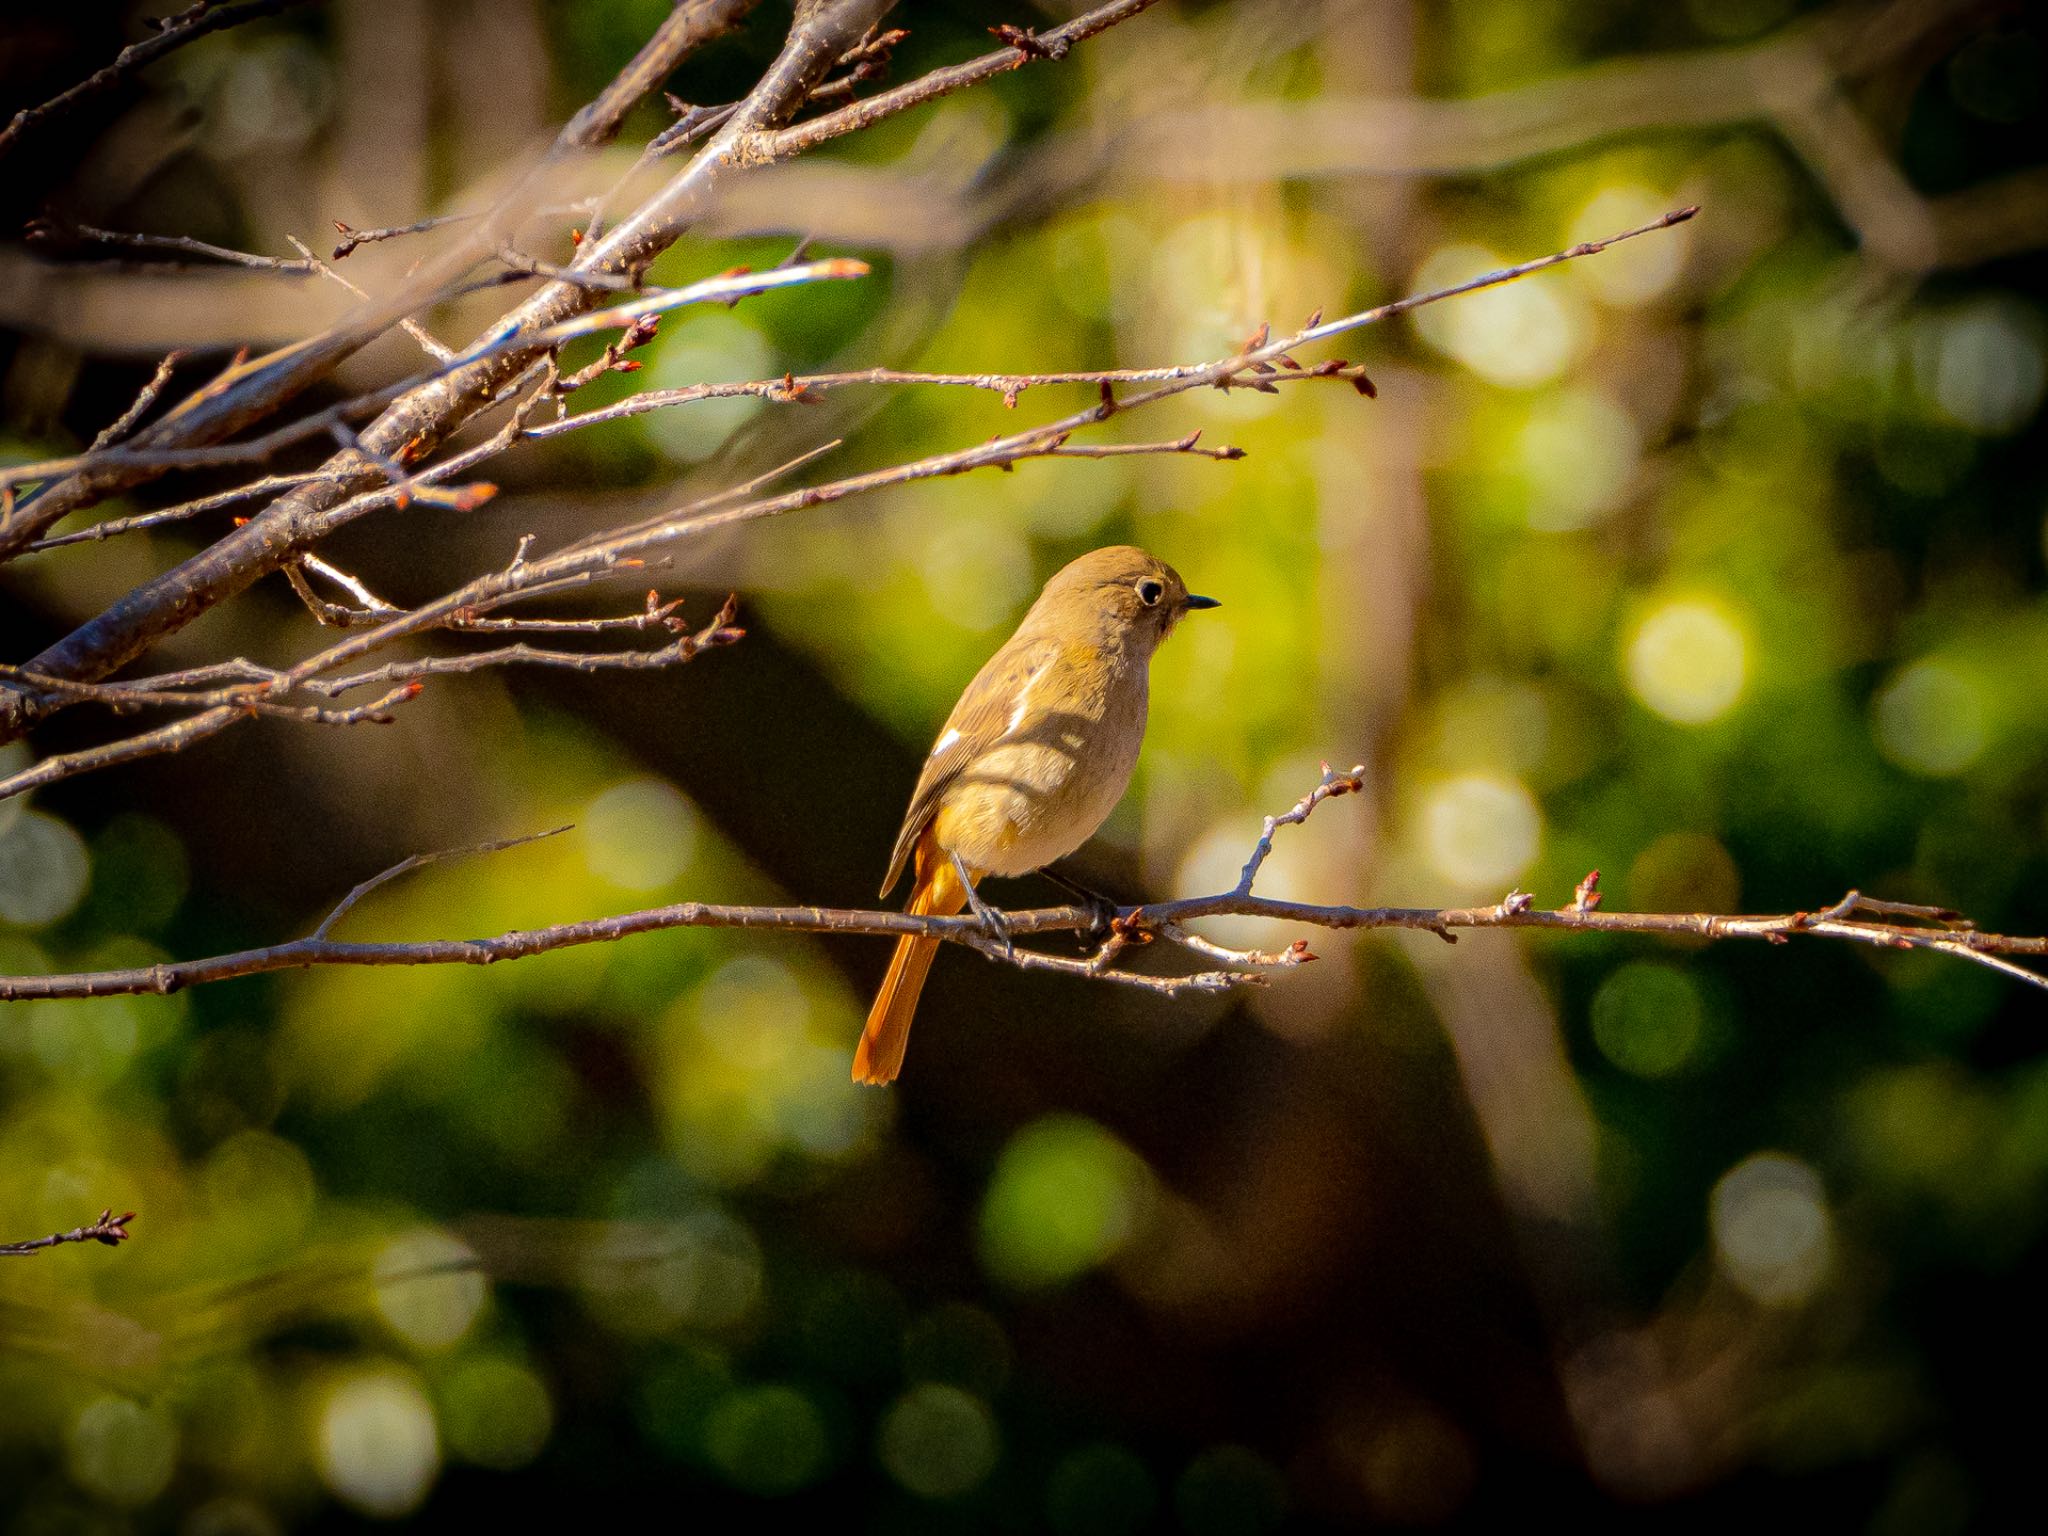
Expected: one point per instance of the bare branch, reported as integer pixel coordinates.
(695, 23)
(257, 388)
(410, 326)
(48, 233)
(760, 148)
(123, 424)
(1855, 919)
(1189, 444)
(415, 422)
(419, 861)
(723, 289)
(252, 699)
(800, 388)
(266, 686)
(621, 551)
(351, 238)
(186, 27)
(109, 1229)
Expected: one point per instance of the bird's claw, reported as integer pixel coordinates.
(1102, 915)
(993, 924)
(1102, 910)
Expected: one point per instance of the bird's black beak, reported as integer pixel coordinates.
(1202, 602)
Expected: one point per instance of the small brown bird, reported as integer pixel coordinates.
(1032, 760)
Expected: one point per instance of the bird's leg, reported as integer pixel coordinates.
(1102, 910)
(993, 923)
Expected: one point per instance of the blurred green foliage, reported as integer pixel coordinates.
(1716, 561)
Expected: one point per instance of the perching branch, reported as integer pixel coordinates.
(109, 1229)
(1855, 918)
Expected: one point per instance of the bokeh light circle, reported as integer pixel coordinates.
(938, 1441)
(640, 835)
(429, 1288)
(1688, 660)
(123, 1451)
(1932, 719)
(1648, 1018)
(1772, 1234)
(496, 1412)
(43, 870)
(768, 1440)
(377, 1442)
(1481, 830)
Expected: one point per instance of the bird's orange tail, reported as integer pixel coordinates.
(938, 893)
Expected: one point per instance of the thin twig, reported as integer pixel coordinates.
(123, 424)
(1188, 444)
(225, 708)
(252, 700)
(803, 388)
(713, 290)
(49, 233)
(185, 28)
(420, 860)
(1024, 47)
(109, 1229)
(532, 266)
(411, 327)
(351, 238)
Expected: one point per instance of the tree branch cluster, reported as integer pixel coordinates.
(394, 446)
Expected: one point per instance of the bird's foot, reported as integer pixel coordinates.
(1102, 910)
(993, 923)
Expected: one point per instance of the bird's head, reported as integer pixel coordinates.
(1122, 591)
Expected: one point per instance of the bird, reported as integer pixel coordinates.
(1031, 761)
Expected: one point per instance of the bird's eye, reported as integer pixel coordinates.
(1150, 591)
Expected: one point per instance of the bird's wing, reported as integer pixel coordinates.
(987, 712)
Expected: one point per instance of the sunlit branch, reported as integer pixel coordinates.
(257, 388)
(714, 290)
(418, 420)
(1025, 46)
(1854, 919)
(1261, 364)
(266, 687)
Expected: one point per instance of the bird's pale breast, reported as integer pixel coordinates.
(1040, 790)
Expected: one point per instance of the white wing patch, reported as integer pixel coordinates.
(952, 735)
(1023, 704)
